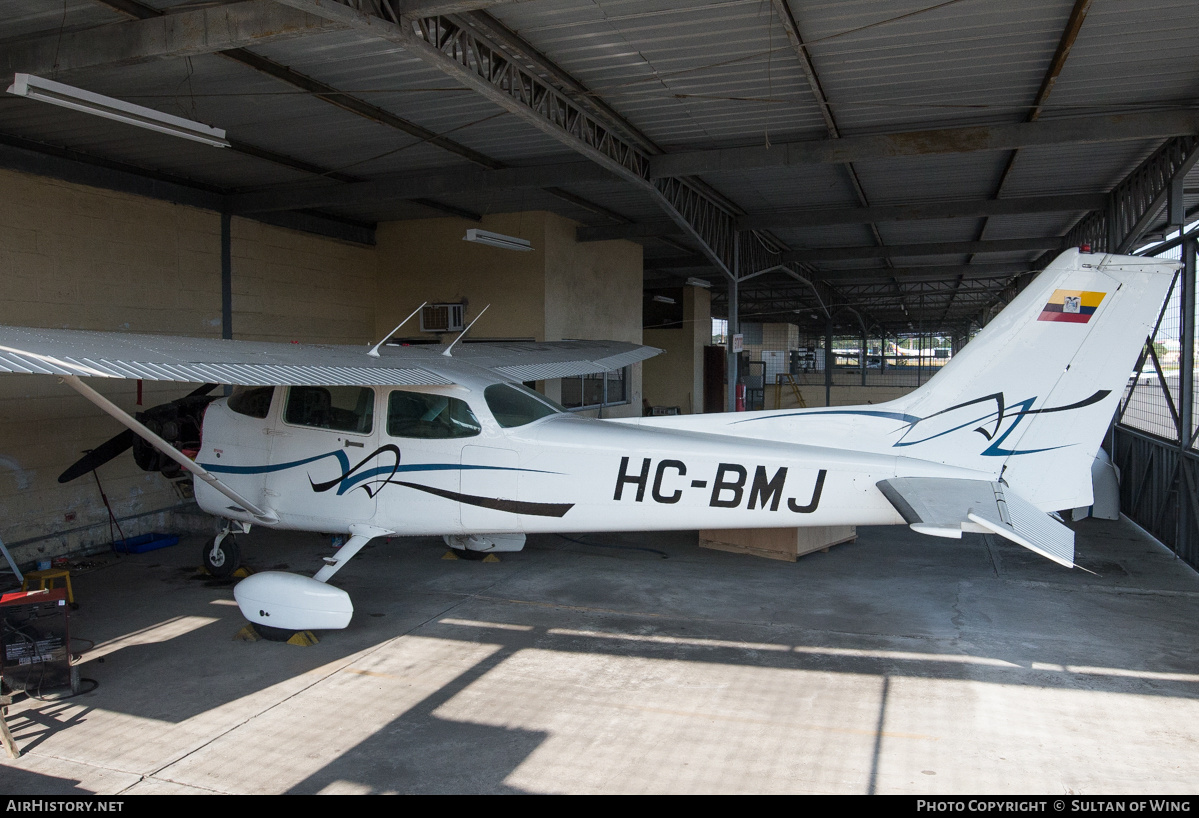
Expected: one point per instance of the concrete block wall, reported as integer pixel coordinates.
(291, 286)
(560, 289)
(83, 258)
(427, 260)
(676, 378)
(593, 290)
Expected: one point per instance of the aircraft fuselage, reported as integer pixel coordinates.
(559, 473)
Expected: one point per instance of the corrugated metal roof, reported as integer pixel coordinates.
(686, 75)
(913, 64)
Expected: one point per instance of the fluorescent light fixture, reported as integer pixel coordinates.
(698, 282)
(68, 96)
(497, 240)
(663, 299)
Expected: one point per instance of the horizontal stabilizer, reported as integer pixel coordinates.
(945, 507)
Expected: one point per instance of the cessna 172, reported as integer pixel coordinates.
(445, 441)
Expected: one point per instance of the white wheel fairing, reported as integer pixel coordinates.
(292, 602)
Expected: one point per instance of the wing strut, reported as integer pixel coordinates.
(264, 516)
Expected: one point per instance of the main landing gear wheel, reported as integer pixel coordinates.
(273, 634)
(467, 554)
(221, 556)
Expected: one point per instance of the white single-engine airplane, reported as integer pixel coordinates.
(433, 440)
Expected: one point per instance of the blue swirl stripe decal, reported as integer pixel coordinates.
(368, 479)
(991, 420)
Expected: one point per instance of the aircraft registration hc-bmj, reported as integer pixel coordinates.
(444, 440)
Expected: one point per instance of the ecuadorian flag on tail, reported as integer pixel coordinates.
(1073, 306)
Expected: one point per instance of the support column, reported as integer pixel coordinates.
(226, 276)
(865, 357)
(919, 358)
(828, 362)
(1186, 392)
(734, 321)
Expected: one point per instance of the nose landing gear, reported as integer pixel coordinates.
(221, 555)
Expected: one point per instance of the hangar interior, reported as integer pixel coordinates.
(848, 175)
(849, 178)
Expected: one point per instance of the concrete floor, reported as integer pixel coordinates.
(641, 664)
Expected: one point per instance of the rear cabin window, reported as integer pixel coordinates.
(253, 401)
(337, 408)
(429, 417)
(514, 405)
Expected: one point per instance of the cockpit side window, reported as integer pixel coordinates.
(514, 405)
(337, 408)
(252, 401)
(429, 417)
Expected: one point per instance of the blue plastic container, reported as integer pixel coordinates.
(146, 542)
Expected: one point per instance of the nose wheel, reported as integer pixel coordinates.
(221, 556)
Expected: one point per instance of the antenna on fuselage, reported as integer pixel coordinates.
(374, 353)
(446, 353)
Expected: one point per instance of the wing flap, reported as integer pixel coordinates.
(945, 507)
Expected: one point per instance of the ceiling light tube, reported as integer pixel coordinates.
(698, 282)
(497, 240)
(68, 96)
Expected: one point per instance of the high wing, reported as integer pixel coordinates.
(255, 363)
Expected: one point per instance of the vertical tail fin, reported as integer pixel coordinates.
(1030, 397)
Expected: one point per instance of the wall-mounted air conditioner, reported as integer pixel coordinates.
(442, 318)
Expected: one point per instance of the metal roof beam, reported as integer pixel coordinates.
(527, 85)
(929, 274)
(1080, 130)
(793, 218)
(408, 186)
(1135, 202)
(77, 168)
(185, 34)
(931, 249)
(871, 275)
(1078, 15)
(318, 89)
(641, 230)
(926, 210)
(412, 8)
(783, 10)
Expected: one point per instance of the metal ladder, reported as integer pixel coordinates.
(787, 378)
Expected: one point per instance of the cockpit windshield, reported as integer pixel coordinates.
(514, 405)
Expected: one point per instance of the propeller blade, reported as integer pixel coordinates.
(124, 441)
(98, 456)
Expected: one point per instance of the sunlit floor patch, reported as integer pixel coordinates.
(164, 631)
